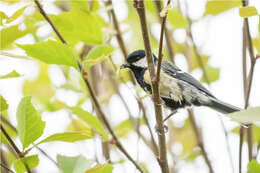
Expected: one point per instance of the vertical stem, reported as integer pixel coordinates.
(9, 139)
(199, 139)
(167, 35)
(139, 5)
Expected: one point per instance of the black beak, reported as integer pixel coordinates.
(126, 65)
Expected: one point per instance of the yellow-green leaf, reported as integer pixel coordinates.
(212, 73)
(97, 54)
(77, 164)
(106, 168)
(2, 16)
(30, 161)
(51, 52)
(247, 11)
(3, 104)
(250, 115)
(9, 35)
(177, 19)
(78, 25)
(91, 121)
(10, 75)
(68, 137)
(256, 43)
(253, 167)
(41, 88)
(215, 7)
(30, 125)
(17, 14)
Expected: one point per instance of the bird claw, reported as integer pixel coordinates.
(165, 130)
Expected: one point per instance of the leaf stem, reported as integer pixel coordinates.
(122, 46)
(167, 35)
(92, 95)
(11, 142)
(139, 5)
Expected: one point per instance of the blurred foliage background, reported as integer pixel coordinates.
(47, 109)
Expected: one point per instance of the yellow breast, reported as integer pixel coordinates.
(168, 86)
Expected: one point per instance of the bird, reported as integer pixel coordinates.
(178, 89)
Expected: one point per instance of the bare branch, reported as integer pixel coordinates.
(199, 139)
(124, 51)
(247, 83)
(92, 95)
(139, 5)
(11, 142)
(167, 35)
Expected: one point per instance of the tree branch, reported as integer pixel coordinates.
(124, 51)
(6, 168)
(93, 97)
(5, 121)
(167, 35)
(161, 47)
(139, 5)
(11, 142)
(199, 139)
(247, 83)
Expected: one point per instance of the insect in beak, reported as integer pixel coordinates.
(126, 65)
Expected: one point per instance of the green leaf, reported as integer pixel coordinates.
(212, 72)
(51, 52)
(250, 115)
(106, 168)
(91, 121)
(123, 129)
(41, 88)
(2, 16)
(3, 104)
(10, 75)
(76, 164)
(68, 137)
(215, 7)
(30, 125)
(17, 14)
(31, 161)
(9, 35)
(177, 19)
(78, 25)
(253, 167)
(256, 132)
(98, 54)
(247, 11)
(256, 42)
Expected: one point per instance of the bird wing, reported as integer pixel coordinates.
(176, 73)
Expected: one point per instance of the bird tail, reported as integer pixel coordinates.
(222, 107)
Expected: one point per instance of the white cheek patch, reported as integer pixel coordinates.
(141, 63)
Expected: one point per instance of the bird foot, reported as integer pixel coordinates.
(159, 132)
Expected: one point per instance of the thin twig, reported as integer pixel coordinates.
(11, 142)
(92, 95)
(119, 36)
(109, 128)
(195, 126)
(161, 46)
(139, 5)
(247, 83)
(167, 35)
(199, 139)
(122, 46)
(49, 21)
(6, 168)
(5, 121)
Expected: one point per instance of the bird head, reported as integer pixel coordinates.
(136, 60)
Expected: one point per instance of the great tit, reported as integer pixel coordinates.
(177, 88)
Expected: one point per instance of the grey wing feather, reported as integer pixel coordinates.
(175, 72)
